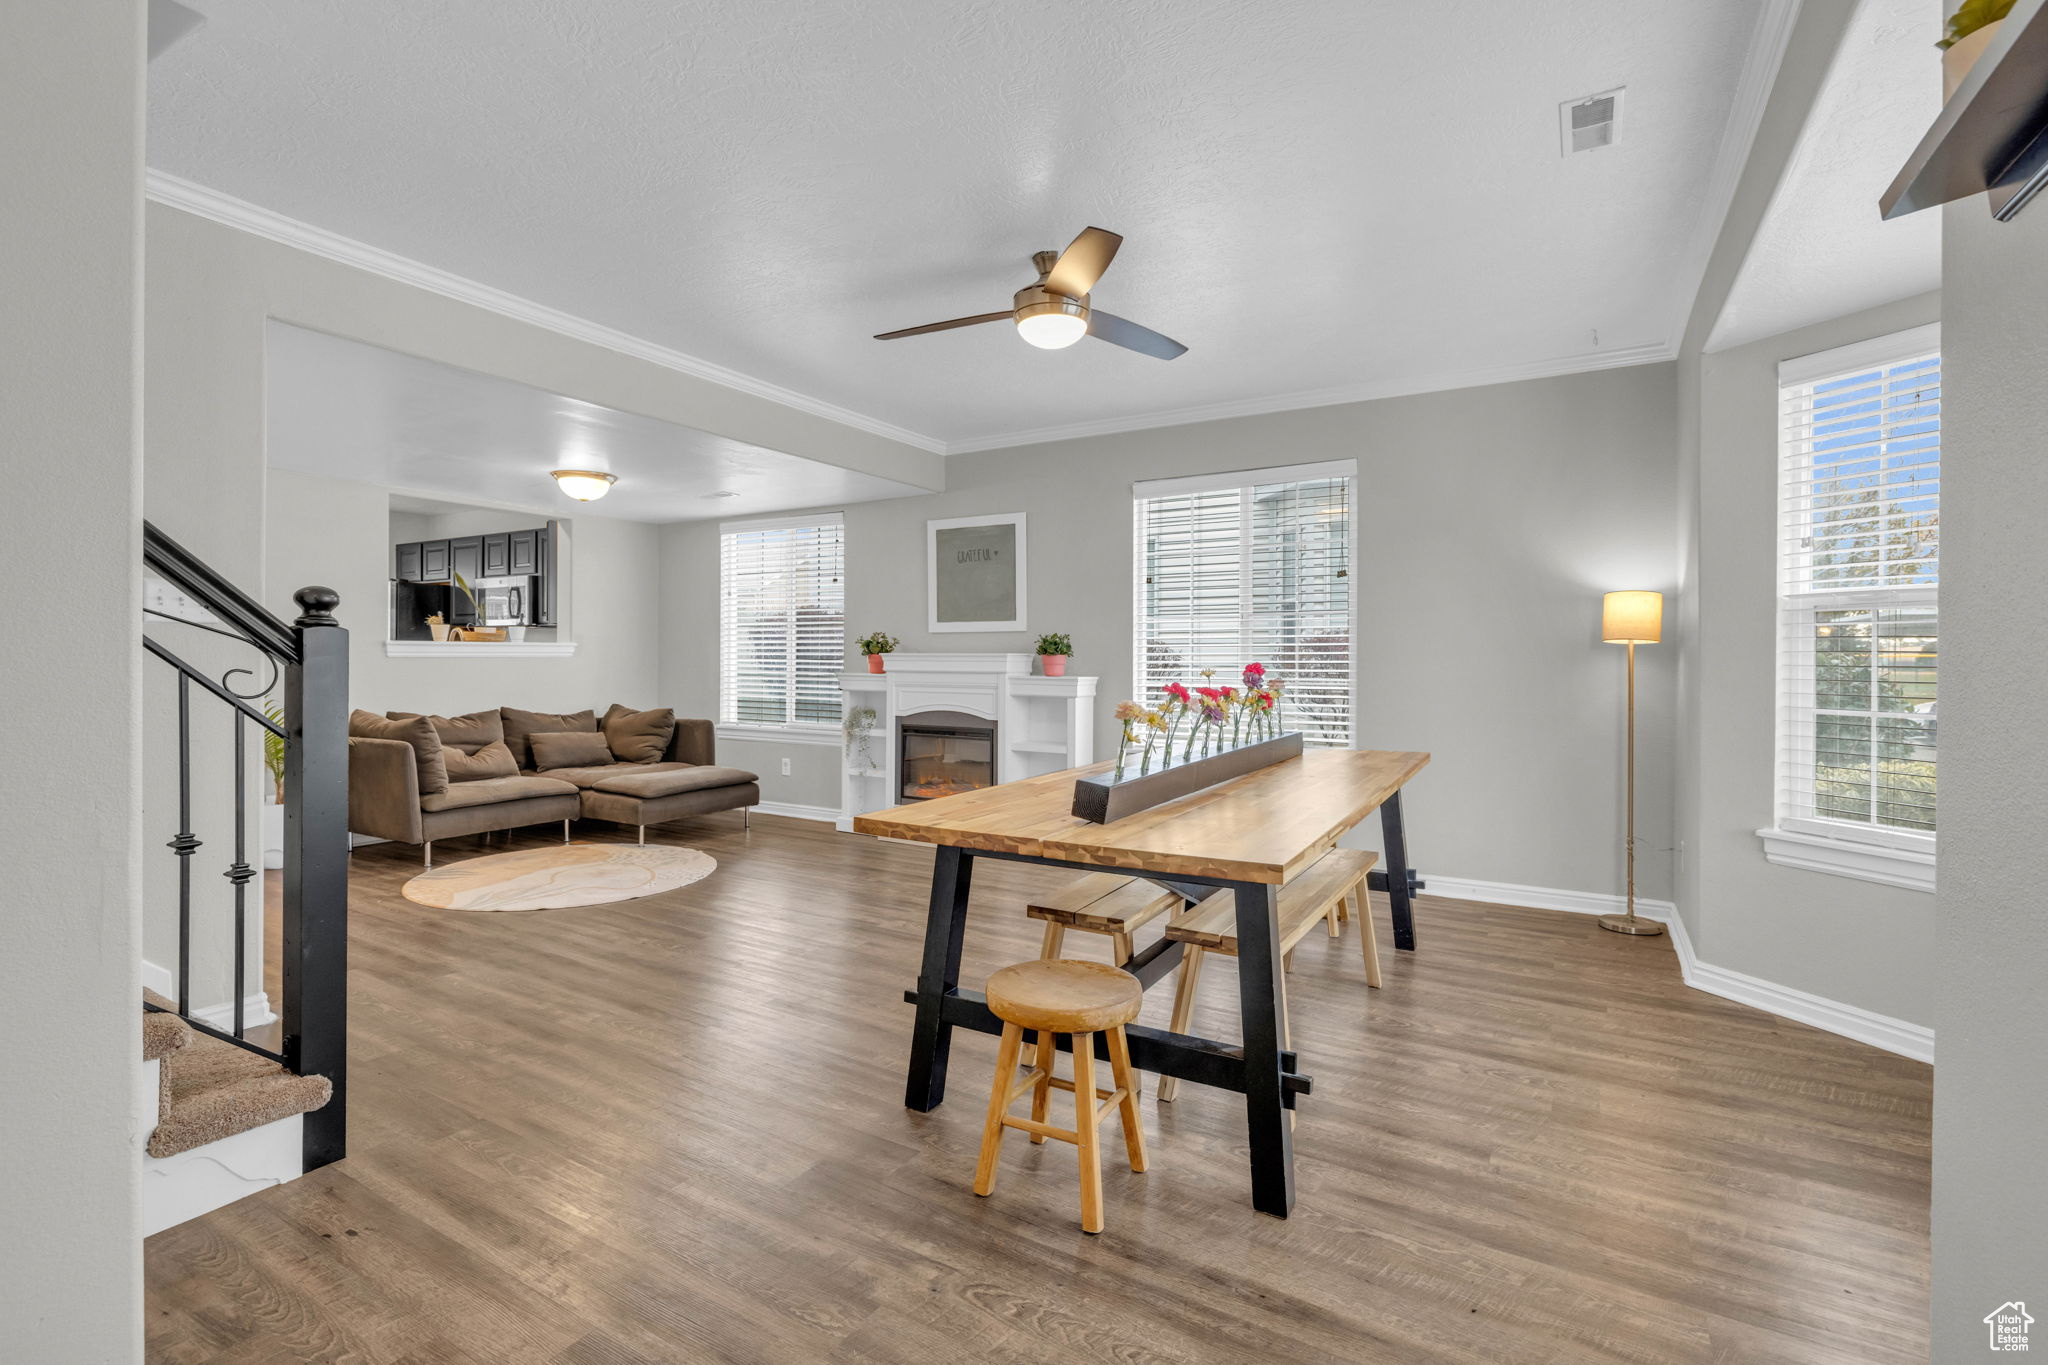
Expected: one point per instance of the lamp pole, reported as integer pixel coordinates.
(1628, 923)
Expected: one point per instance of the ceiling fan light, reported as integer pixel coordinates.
(584, 485)
(1049, 331)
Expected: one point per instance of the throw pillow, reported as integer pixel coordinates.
(521, 726)
(569, 749)
(493, 760)
(638, 736)
(467, 733)
(418, 732)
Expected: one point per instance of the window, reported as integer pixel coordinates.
(1252, 567)
(1858, 614)
(782, 623)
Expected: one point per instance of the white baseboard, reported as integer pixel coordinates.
(1544, 897)
(256, 1011)
(829, 814)
(1787, 1002)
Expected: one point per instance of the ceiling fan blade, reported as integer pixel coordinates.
(1129, 335)
(1083, 262)
(1003, 316)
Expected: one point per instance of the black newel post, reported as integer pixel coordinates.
(316, 867)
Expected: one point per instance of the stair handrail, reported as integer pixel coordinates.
(196, 578)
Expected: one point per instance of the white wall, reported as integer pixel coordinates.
(71, 79)
(335, 532)
(1850, 941)
(1491, 520)
(1991, 1008)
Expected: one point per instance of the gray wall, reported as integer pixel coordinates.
(1853, 941)
(334, 532)
(1990, 1110)
(1491, 520)
(71, 81)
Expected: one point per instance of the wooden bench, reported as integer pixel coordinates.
(1333, 882)
(1107, 903)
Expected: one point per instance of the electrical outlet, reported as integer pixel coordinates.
(785, 767)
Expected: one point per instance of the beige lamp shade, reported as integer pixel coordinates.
(1632, 618)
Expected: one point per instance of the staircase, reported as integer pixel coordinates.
(216, 1082)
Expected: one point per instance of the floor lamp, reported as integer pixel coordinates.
(1632, 618)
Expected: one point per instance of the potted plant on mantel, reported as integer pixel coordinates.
(875, 646)
(1053, 651)
(1968, 32)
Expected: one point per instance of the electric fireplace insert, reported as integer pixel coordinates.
(943, 753)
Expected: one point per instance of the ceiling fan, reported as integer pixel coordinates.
(1055, 310)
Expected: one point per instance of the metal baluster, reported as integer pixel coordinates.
(239, 872)
(184, 845)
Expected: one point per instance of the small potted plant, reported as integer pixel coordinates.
(1968, 32)
(875, 646)
(1053, 651)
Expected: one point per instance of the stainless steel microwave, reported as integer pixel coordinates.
(505, 601)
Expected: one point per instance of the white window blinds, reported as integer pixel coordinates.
(782, 621)
(1858, 612)
(1250, 568)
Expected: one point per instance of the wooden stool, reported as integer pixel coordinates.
(1336, 879)
(1081, 999)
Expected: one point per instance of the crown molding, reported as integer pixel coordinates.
(197, 199)
(1738, 139)
(1617, 358)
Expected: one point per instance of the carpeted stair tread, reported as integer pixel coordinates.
(208, 1090)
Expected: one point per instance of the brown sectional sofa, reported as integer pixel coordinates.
(415, 779)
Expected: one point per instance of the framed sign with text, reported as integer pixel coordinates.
(976, 572)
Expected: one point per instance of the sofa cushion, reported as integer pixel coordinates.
(590, 777)
(467, 733)
(490, 791)
(648, 784)
(568, 749)
(638, 736)
(418, 732)
(492, 760)
(521, 726)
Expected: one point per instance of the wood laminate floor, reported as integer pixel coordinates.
(672, 1130)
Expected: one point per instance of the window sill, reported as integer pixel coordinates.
(479, 649)
(1908, 868)
(779, 734)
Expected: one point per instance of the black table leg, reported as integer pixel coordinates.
(1260, 993)
(1397, 872)
(945, 928)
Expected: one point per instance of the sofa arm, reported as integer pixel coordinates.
(692, 742)
(384, 790)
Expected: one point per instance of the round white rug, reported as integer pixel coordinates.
(559, 878)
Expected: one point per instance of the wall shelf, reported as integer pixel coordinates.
(1992, 135)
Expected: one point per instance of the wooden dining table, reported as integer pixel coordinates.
(1250, 836)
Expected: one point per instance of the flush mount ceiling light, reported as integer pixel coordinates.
(1057, 309)
(584, 485)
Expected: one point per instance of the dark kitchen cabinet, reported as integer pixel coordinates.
(408, 563)
(497, 555)
(466, 558)
(522, 554)
(433, 561)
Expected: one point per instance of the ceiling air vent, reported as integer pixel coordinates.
(1594, 121)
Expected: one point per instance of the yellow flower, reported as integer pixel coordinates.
(1155, 720)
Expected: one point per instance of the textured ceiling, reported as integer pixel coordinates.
(346, 409)
(1822, 251)
(1314, 196)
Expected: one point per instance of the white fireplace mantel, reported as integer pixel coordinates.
(1042, 724)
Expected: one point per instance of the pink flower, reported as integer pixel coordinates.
(1177, 692)
(1253, 673)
